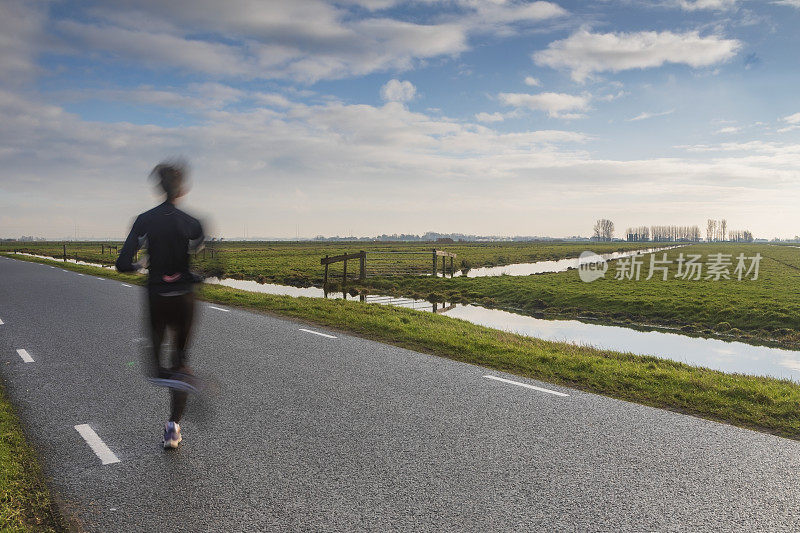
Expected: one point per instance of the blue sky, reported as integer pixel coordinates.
(381, 116)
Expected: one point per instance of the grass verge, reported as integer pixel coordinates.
(760, 403)
(25, 504)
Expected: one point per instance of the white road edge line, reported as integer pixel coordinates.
(525, 385)
(1, 322)
(125, 285)
(318, 333)
(219, 308)
(78, 273)
(25, 355)
(96, 444)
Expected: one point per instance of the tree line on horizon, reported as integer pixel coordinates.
(663, 234)
(716, 231)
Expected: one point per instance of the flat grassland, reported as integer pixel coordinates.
(767, 308)
(297, 263)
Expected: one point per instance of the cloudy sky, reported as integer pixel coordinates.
(381, 116)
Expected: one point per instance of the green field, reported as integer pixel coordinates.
(297, 263)
(767, 308)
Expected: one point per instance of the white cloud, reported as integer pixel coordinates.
(792, 3)
(554, 104)
(21, 30)
(646, 115)
(502, 12)
(792, 119)
(304, 41)
(159, 49)
(532, 82)
(728, 130)
(398, 91)
(369, 148)
(718, 5)
(585, 53)
(613, 96)
(401, 163)
(272, 99)
(490, 117)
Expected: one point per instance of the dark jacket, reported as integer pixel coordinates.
(169, 235)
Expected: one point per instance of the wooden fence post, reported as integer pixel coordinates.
(451, 266)
(434, 262)
(65, 253)
(326, 277)
(102, 249)
(362, 274)
(344, 273)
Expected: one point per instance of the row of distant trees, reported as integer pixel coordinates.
(740, 236)
(663, 234)
(717, 231)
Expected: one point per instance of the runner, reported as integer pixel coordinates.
(169, 235)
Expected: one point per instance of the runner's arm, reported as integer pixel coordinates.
(132, 244)
(196, 238)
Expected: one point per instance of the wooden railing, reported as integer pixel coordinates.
(444, 255)
(362, 267)
(381, 258)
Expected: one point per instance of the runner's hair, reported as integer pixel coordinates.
(171, 176)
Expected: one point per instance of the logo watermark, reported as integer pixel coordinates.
(591, 266)
(715, 267)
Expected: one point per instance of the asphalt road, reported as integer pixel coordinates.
(338, 433)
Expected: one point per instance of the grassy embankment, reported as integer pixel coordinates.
(765, 404)
(25, 504)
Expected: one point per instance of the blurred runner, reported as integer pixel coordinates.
(169, 235)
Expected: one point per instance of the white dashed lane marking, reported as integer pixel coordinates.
(25, 355)
(97, 445)
(517, 383)
(219, 308)
(318, 333)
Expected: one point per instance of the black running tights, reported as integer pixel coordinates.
(174, 313)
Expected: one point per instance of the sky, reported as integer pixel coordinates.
(365, 117)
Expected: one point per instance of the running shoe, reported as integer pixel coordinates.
(172, 435)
